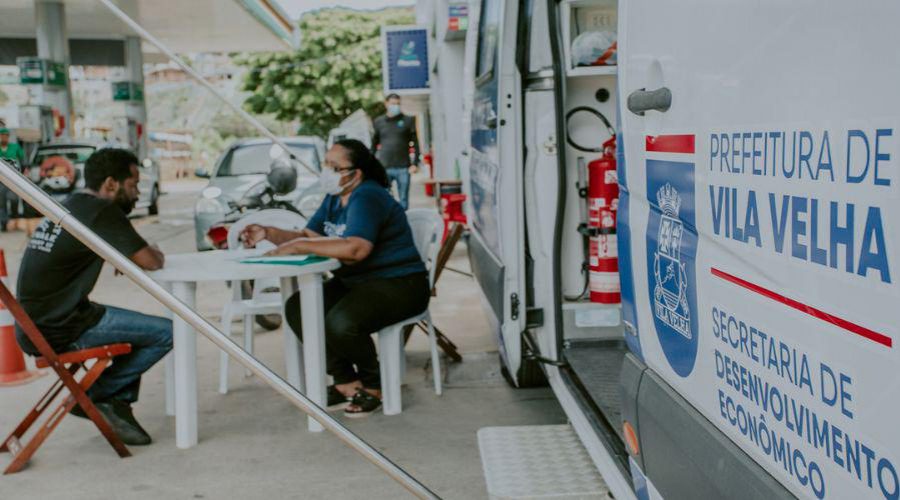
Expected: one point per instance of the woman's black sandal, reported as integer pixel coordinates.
(366, 404)
(336, 399)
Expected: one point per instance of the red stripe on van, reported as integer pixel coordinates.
(671, 143)
(812, 311)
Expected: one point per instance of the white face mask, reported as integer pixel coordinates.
(393, 110)
(330, 180)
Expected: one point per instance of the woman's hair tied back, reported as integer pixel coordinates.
(362, 158)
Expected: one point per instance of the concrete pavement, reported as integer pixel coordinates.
(253, 443)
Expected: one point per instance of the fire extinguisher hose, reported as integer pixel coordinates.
(598, 114)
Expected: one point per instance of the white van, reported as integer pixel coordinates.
(752, 355)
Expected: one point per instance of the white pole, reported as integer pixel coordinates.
(53, 44)
(58, 214)
(146, 35)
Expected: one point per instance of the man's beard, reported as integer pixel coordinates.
(124, 202)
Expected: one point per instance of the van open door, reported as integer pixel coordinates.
(496, 251)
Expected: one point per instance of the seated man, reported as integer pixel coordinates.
(58, 272)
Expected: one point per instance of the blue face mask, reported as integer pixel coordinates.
(393, 109)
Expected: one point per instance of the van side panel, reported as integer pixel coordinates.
(765, 224)
(488, 273)
(626, 276)
(685, 456)
(629, 386)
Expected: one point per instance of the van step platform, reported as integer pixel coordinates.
(538, 461)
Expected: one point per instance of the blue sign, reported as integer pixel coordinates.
(671, 260)
(405, 60)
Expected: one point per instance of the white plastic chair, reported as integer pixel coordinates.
(427, 227)
(261, 302)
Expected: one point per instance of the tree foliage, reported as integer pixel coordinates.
(336, 70)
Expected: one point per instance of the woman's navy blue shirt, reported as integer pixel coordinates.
(373, 215)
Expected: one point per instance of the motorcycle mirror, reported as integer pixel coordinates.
(276, 152)
(211, 192)
(282, 179)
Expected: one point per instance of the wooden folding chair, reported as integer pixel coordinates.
(65, 365)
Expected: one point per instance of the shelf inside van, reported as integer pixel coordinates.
(592, 71)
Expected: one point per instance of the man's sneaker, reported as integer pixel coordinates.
(124, 411)
(122, 421)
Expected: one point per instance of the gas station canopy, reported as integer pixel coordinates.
(185, 26)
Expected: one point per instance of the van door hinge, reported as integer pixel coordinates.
(514, 306)
(549, 145)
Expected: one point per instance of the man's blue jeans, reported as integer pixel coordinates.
(400, 175)
(150, 338)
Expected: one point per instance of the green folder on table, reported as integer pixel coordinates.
(285, 260)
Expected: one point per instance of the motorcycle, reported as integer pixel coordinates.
(281, 180)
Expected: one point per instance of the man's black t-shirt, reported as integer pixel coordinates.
(58, 272)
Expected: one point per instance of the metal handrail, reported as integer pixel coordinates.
(43, 203)
(146, 35)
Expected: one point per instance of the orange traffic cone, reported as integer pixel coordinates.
(12, 361)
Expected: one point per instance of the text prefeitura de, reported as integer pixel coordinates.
(809, 228)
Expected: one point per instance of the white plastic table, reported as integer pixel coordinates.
(181, 274)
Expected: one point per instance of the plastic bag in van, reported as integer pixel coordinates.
(594, 48)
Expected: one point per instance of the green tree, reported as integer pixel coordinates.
(336, 70)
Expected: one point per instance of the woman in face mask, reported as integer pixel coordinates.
(382, 280)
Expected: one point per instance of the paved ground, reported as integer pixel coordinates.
(253, 443)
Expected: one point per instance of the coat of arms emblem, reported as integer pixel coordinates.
(670, 293)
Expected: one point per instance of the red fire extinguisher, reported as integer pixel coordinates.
(603, 204)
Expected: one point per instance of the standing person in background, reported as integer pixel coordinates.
(8, 151)
(395, 133)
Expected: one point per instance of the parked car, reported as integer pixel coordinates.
(244, 165)
(77, 154)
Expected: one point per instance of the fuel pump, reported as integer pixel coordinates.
(602, 194)
(37, 124)
(129, 131)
